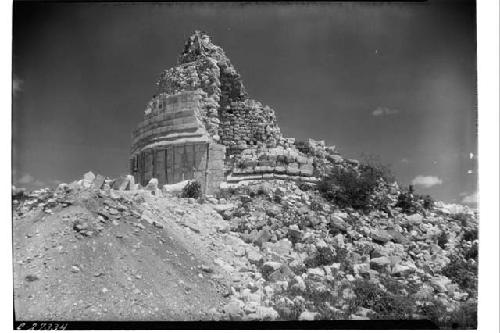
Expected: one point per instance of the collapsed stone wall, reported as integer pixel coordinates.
(203, 100)
(248, 124)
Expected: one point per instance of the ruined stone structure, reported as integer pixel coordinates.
(202, 125)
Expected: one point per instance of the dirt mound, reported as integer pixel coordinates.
(96, 259)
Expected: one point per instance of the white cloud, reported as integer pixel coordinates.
(384, 111)
(471, 198)
(404, 160)
(30, 181)
(426, 181)
(26, 179)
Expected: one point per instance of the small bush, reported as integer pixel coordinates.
(192, 190)
(407, 203)
(325, 256)
(316, 206)
(461, 272)
(305, 186)
(442, 240)
(226, 193)
(428, 202)
(350, 188)
(465, 317)
(472, 253)
(461, 217)
(386, 305)
(470, 235)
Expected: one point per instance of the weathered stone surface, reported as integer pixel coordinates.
(121, 184)
(88, 179)
(99, 181)
(380, 263)
(152, 185)
(381, 236)
(306, 315)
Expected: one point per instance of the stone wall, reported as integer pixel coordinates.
(172, 144)
(170, 164)
(171, 118)
(248, 124)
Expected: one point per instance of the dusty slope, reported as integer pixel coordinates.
(123, 269)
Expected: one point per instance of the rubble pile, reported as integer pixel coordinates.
(310, 250)
(286, 253)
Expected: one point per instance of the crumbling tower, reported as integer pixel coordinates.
(202, 125)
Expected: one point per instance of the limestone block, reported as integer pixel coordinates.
(306, 170)
(301, 159)
(131, 182)
(280, 169)
(121, 184)
(88, 179)
(264, 168)
(292, 170)
(99, 181)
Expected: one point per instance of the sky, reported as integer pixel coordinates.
(393, 80)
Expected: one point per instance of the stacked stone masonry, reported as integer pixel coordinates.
(202, 125)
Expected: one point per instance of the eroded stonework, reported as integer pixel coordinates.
(202, 125)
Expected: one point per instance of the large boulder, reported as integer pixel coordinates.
(152, 185)
(380, 236)
(307, 315)
(121, 184)
(99, 181)
(275, 271)
(88, 179)
(261, 237)
(131, 183)
(337, 224)
(397, 237)
(380, 263)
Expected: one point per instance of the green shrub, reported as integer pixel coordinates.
(461, 217)
(407, 203)
(305, 186)
(465, 317)
(315, 206)
(461, 272)
(428, 202)
(385, 304)
(192, 190)
(442, 240)
(470, 235)
(472, 253)
(226, 193)
(350, 188)
(435, 312)
(324, 256)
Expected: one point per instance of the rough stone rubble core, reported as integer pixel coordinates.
(201, 125)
